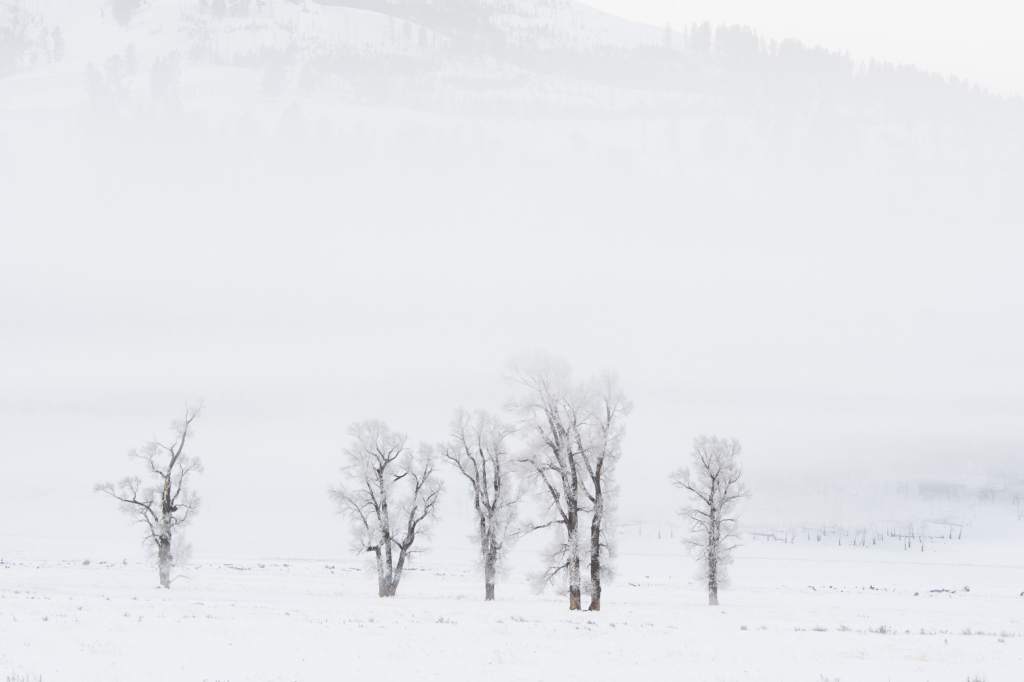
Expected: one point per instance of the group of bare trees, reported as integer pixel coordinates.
(572, 433)
(562, 445)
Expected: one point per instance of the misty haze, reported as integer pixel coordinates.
(510, 339)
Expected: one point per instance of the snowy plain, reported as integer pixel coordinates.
(798, 610)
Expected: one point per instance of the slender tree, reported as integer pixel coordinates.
(715, 487)
(478, 447)
(168, 504)
(600, 443)
(389, 495)
(550, 409)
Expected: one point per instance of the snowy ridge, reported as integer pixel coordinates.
(499, 57)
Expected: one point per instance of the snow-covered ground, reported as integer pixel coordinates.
(801, 611)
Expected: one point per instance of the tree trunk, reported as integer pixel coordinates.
(389, 574)
(713, 580)
(595, 548)
(396, 575)
(572, 529)
(595, 566)
(574, 597)
(574, 574)
(489, 578)
(164, 561)
(385, 564)
(714, 549)
(381, 587)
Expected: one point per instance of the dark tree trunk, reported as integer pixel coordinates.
(396, 576)
(713, 595)
(595, 566)
(595, 546)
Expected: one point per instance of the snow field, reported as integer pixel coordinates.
(805, 611)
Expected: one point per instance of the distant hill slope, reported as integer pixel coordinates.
(715, 88)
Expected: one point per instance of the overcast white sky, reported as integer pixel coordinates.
(979, 39)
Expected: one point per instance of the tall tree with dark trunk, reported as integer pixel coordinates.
(168, 504)
(550, 409)
(715, 487)
(389, 495)
(478, 447)
(600, 443)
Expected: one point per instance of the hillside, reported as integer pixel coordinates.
(495, 57)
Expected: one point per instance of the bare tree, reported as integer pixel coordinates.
(389, 495)
(600, 443)
(551, 409)
(714, 488)
(478, 447)
(168, 504)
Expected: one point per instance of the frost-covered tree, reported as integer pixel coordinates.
(478, 447)
(167, 504)
(573, 435)
(551, 409)
(714, 484)
(600, 445)
(389, 495)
